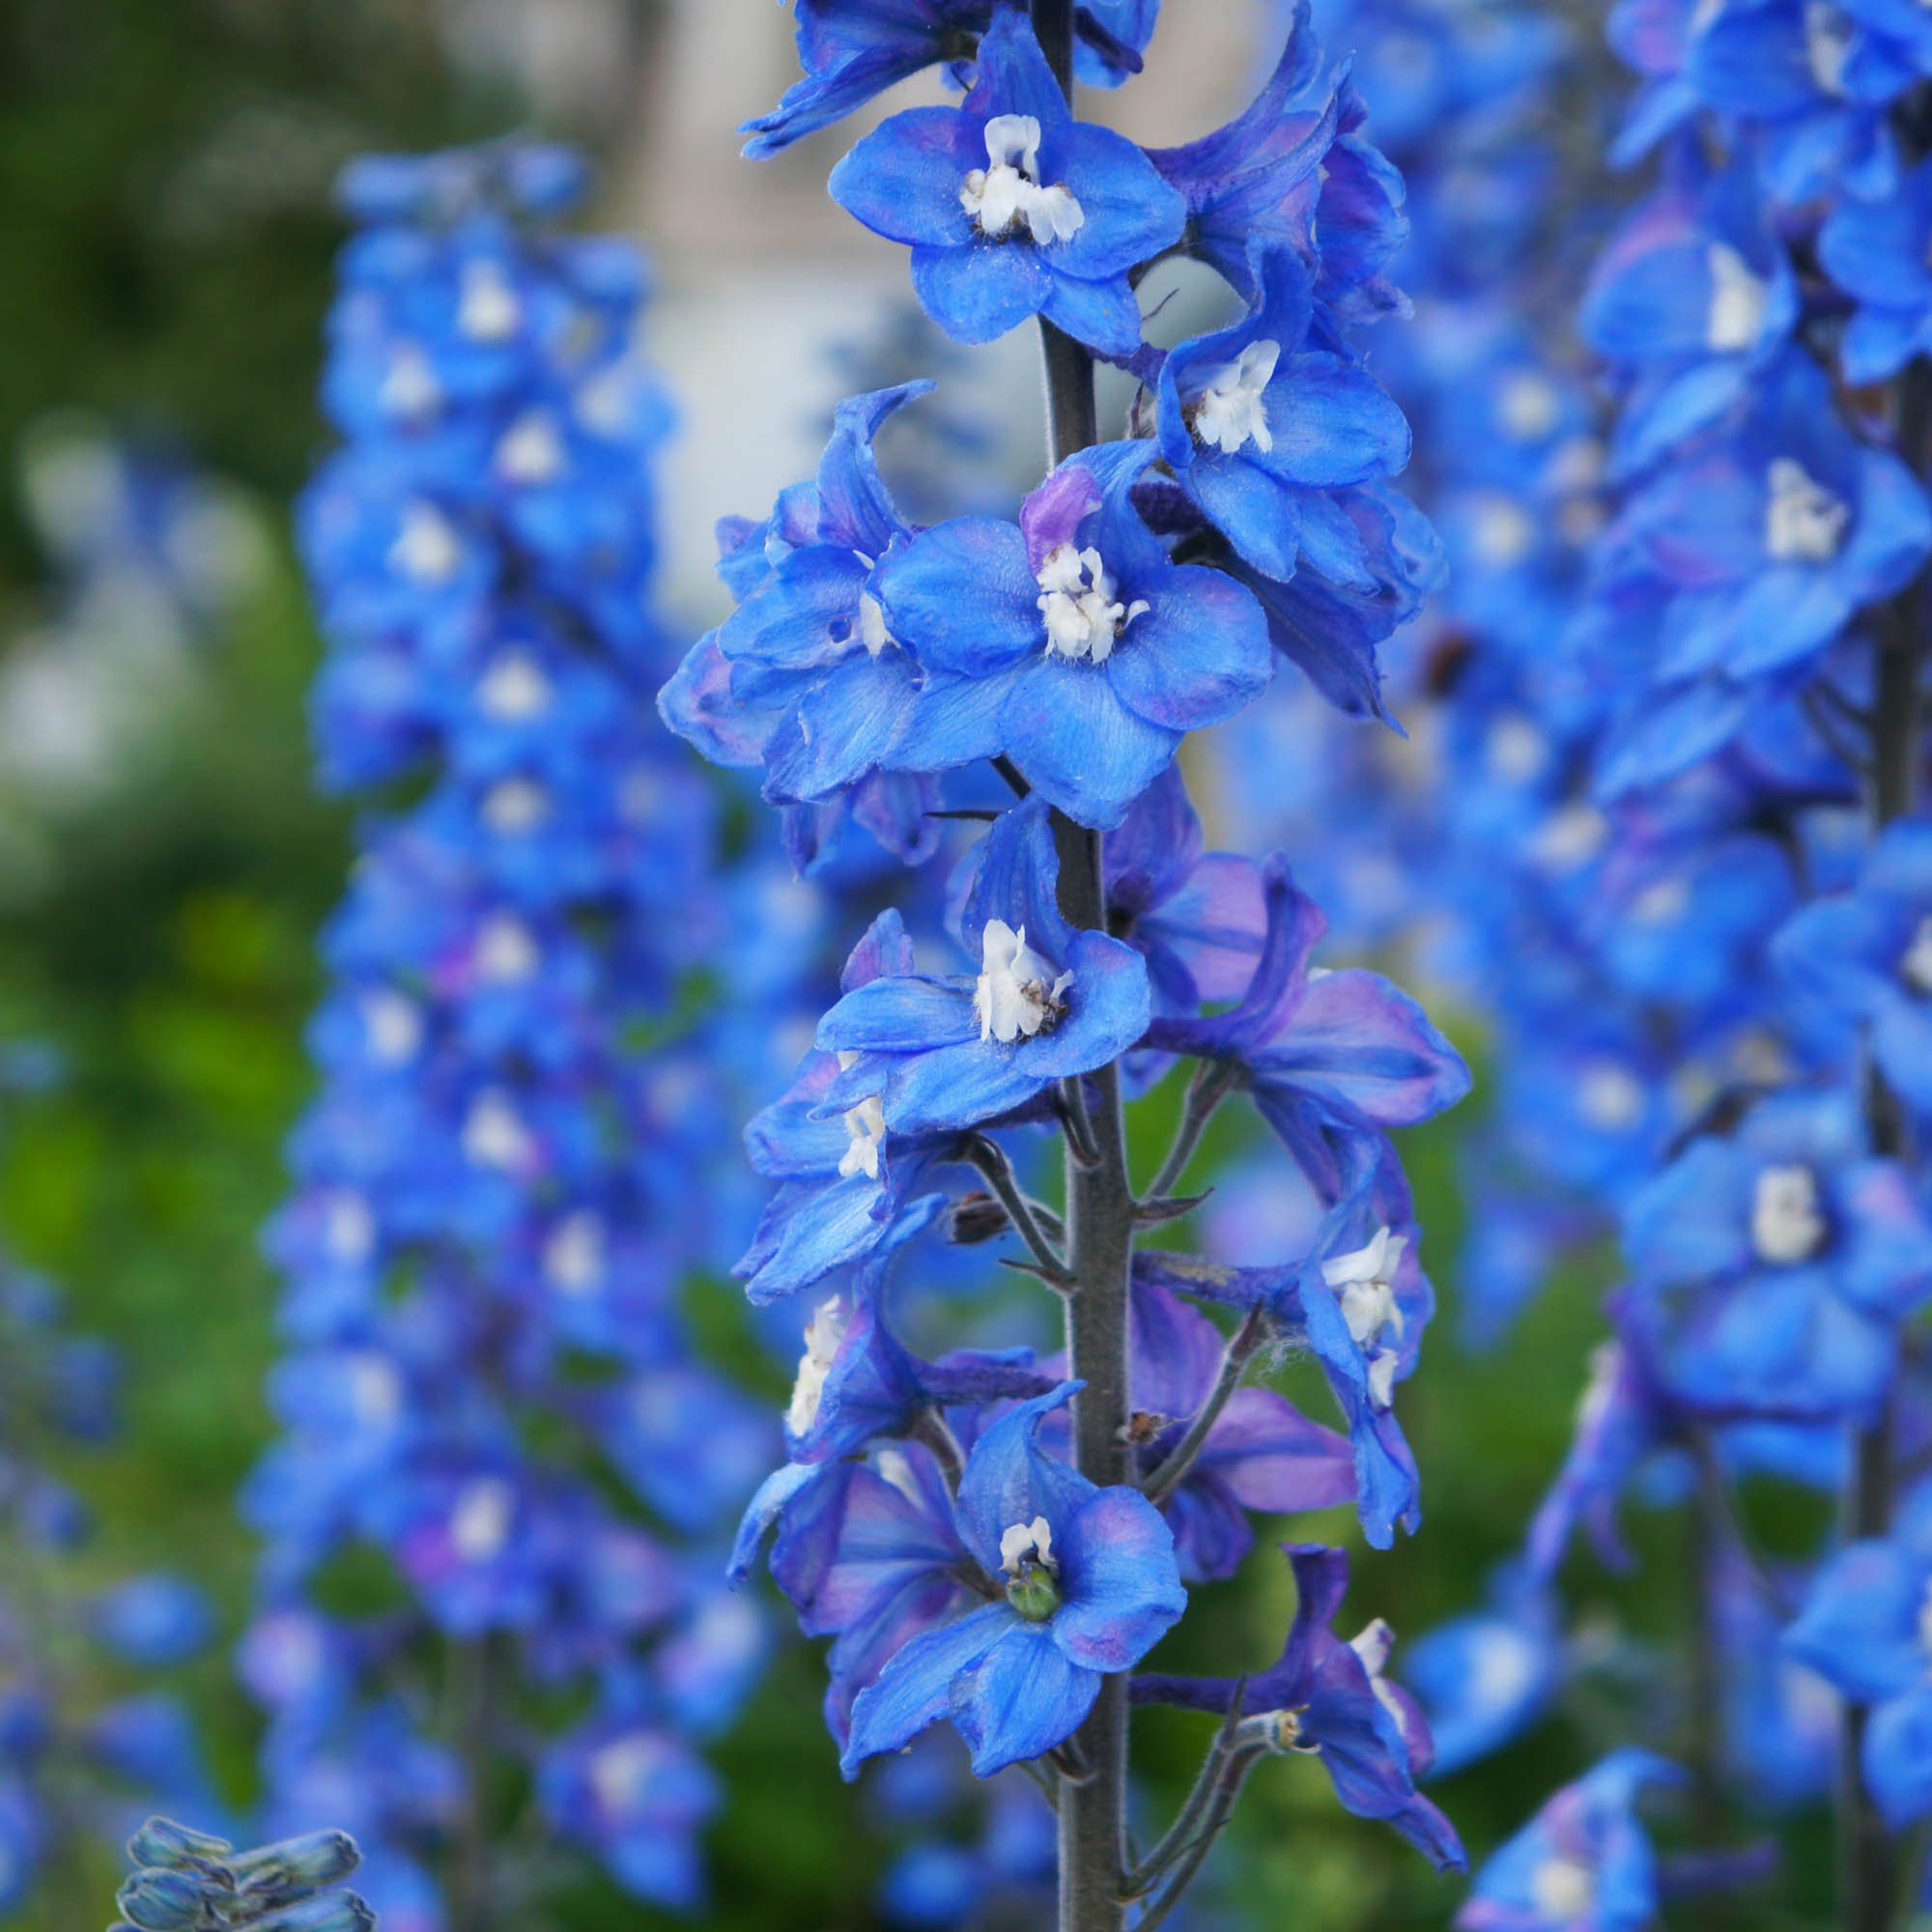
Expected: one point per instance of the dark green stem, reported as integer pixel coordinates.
(1099, 1222)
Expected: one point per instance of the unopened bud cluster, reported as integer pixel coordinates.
(186, 1881)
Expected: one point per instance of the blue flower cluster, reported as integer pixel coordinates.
(69, 1758)
(1681, 830)
(989, 1539)
(490, 1382)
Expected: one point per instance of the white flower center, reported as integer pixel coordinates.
(1804, 522)
(514, 689)
(873, 632)
(427, 550)
(479, 1525)
(1006, 193)
(573, 1258)
(1529, 406)
(1015, 995)
(823, 1334)
(865, 1125)
(348, 1231)
(516, 804)
(494, 1134)
(1562, 1889)
(1503, 533)
(1737, 299)
(1230, 411)
(1028, 1543)
(1514, 750)
(1916, 965)
(1076, 599)
(1785, 1223)
(1373, 1646)
(375, 1389)
(506, 954)
(393, 1025)
(531, 451)
(487, 308)
(621, 1773)
(1608, 1098)
(1363, 1284)
(1828, 45)
(410, 388)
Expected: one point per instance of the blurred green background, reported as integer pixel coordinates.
(164, 212)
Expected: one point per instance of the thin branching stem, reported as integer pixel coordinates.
(1234, 1359)
(989, 1159)
(1181, 1833)
(1212, 1082)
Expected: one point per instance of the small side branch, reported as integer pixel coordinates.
(1211, 1084)
(1234, 1359)
(1219, 1809)
(1180, 1836)
(990, 1160)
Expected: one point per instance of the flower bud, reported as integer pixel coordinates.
(158, 1900)
(975, 1218)
(295, 1868)
(325, 1912)
(1034, 1593)
(160, 1841)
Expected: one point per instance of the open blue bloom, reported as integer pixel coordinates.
(846, 1188)
(1865, 1628)
(1878, 252)
(1010, 207)
(1323, 1053)
(1868, 955)
(1696, 294)
(1292, 171)
(1090, 1585)
(944, 1055)
(1486, 1678)
(1070, 642)
(1780, 1262)
(1329, 1698)
(852, 50)
(638, 1796)
(1584, 1863)
(1263, 420)
(803, 679)
(1781, 1717)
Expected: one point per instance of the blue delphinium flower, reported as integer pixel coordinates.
(1085, 1583)
(1046, 1005)
(1584, 1861)
(1868, 955)
(1070, 642)
(854, 49)
(1261, 425)
(1876, 251)
(1864, 1628)
(1329, 1700)
(1012, 208)
(493, 1185)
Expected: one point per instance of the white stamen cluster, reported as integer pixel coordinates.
(1915, 964)
(1006, 195)
(1230, 411)
(1562, 1891)
(479, 1525)
(1736, 314)
(1786, 1224)
(1028, 1543)
(1363, 1283)
(1076, 599)
(1804, 522)
(823, 1334)
(1015, 995)
(487, 307)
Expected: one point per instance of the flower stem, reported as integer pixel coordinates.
(1100, 1219)
(1235, 1358)
(1868, 1864)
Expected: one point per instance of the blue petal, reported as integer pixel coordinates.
(963, 598)
(916, 1688)
(902, 181)
(1022, 1700)
(1119, 1582)
(1011, 1479)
